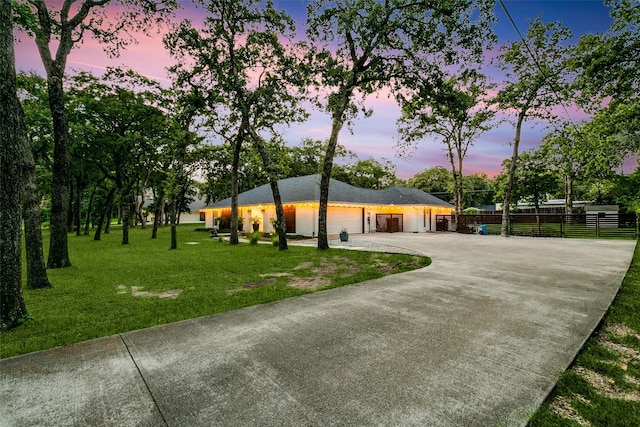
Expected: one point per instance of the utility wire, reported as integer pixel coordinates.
(535, 61)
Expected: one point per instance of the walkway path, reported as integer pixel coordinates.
(477, 338)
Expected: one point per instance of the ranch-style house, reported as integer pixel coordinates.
(356, 210)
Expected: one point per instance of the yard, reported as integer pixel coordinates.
(113, 288)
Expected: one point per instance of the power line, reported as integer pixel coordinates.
(537, 64)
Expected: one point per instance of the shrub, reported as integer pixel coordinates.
(254, 237)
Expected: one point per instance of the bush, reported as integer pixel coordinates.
(275, 240)
(254, 237)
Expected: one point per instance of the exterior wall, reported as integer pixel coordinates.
(211, 214)
(418, 219)
(413, 218)
(269, 214)
(307, 220)
(344, 217)
(187, 218)
(208, 218)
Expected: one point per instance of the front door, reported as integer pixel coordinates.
(290, 218)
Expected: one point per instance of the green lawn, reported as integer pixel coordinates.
(103, 293)
(602, 387)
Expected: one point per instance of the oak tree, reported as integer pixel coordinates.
(57, 29)
(457, 113)
(240, 62)
(535, 74)
(363, 46)
(32, 89)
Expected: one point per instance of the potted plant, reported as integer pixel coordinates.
(344, 236)
(240, 223)
(255, 222)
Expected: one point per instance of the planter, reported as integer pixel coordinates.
(344, 236)
(255, 226)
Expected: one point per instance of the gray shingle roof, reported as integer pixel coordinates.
(307, 189)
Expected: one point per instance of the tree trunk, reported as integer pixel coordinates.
(233, 238)
(338, 121)
(163, 209)
(107, 225)
(568, 194)
(78, 205)
(157, 216)
(504, 232)
(58, 243)
(36, 269)
(70, 207)
(460, 186)
(281, 226)
(174, 236)
(90, 207)
(106, 212)
(126, 212)
(13, 136)
(140, 212)
(133, 218)
(456, 172)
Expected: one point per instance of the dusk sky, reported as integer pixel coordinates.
(374, 136)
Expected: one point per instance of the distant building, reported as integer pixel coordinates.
(550, 206)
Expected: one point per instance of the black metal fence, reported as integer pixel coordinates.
(589, 225)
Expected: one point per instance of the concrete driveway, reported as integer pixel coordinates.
(476, 339)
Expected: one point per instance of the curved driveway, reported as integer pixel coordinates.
(477, 338)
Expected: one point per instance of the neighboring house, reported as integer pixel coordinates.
(193, 215)
(357, 210)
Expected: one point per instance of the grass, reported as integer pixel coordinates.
(602, 387)
(99, 295)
